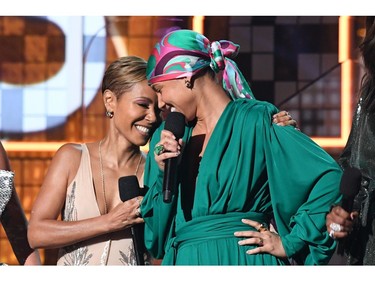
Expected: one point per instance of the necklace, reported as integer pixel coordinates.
(102, 174)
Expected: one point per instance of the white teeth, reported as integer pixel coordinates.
(142, 129)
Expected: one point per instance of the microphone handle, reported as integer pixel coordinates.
(136, 236)
(128, 189)
(347, 205)
(170, 178)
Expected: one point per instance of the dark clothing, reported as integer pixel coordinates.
(14, 221)
(360, 153)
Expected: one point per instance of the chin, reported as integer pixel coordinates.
(143, 141)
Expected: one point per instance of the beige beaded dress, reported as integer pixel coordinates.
(80, 203)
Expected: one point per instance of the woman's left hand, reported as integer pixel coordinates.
(168, 147)
(267, 241)
(283, 118)
(339, 222)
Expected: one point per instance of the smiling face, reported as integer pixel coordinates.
(174, 93)
(136, 113)
(132, 101)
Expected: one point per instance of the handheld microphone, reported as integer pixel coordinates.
(175, 123)
(349, 188)
(129, 188)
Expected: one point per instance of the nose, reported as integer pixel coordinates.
(151, 116)
(161, 103)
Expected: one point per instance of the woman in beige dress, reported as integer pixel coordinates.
(82, 180)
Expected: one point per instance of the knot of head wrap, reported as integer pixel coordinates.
(219, 51)
(183, 53)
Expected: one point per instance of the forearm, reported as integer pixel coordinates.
(51, 233)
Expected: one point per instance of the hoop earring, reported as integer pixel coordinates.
(109, 114)
(188, 84)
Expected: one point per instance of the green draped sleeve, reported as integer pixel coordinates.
(159, 216)
(304, 183)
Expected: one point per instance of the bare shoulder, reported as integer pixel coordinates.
(66, 161)
(70, 152)
(70, 149)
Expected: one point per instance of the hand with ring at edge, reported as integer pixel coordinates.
(124, 214)
(138, 212)
(266, 241)
(339, 222)
(283, 118)
(335, 227)
(168, 147)
(138, 209)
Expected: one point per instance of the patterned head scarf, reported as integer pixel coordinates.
(183, 53)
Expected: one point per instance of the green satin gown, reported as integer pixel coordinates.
(251, 169)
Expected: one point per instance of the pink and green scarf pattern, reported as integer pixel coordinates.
(183, 53)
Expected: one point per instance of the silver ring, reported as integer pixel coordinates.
(332, 234)
(138, 212)
(335, 227)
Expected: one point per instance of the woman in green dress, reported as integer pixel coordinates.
(234, 164)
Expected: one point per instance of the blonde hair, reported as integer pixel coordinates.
(122, 74)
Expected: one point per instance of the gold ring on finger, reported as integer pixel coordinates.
(262, 228)
(261, 242)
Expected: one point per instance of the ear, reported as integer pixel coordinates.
(109, 100)
(188, 83)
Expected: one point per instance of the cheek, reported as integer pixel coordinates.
(121, 120)
(125, 115)
(188, 101)
(182, 97)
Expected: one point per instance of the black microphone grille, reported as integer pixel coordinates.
(175, 123)
(350, 182)
(128, 187)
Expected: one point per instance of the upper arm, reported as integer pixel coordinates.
(51, 197)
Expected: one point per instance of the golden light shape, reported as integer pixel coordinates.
(346, 86)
